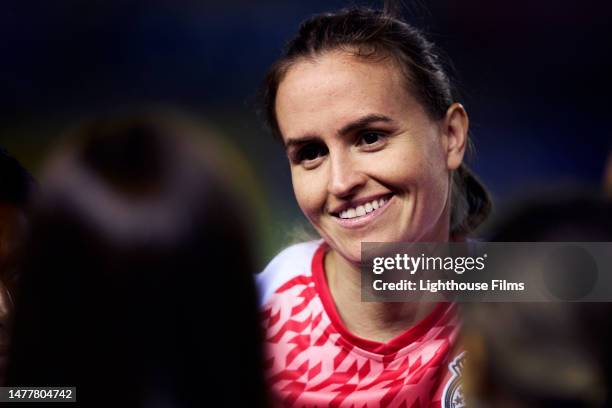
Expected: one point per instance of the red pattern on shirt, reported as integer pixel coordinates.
(313, 361)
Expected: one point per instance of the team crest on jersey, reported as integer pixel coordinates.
(452, 396)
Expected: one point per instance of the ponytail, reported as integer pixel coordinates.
(471, 202)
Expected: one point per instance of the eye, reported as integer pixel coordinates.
(310, 152)
(370, 138)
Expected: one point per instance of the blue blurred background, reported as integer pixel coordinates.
(534, 77)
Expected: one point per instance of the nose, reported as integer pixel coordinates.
(345, 176)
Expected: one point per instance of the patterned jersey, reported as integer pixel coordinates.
(312, 360)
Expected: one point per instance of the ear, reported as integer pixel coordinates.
(455, 135)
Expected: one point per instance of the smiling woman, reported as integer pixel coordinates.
(375, 142)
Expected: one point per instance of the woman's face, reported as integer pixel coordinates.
(367, 162)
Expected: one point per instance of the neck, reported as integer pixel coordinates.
(378, 321)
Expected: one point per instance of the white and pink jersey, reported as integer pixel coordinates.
(312, 360)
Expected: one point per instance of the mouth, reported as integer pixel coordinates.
(362, 213)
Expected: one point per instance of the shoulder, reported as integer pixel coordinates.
(291, 262)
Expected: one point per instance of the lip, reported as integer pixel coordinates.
(358, 222)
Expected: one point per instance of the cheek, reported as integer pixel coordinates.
(431, 180)
(309, 191)
(400, 167)
(414, 170)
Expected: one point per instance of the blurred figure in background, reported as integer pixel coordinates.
(607, 179)
(137, 285)
(16, 187)
(544, 354)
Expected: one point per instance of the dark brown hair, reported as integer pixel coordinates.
(376, 35)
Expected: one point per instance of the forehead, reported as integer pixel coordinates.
(337, 87)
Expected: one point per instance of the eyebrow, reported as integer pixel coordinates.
(360, 123)
(363, 122)
(298, 141)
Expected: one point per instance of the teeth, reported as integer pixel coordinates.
(362, 210)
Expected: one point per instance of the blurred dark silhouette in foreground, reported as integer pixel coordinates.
(16, 188)
(137, 284)
(544, 354)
